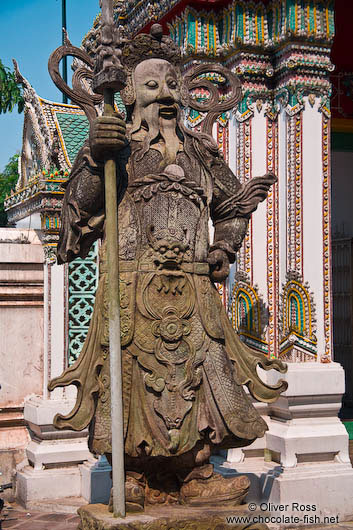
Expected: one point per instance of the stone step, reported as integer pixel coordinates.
(68, 505)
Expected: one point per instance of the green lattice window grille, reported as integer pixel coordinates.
(83, 278)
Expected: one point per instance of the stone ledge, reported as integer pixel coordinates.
(97, 517)
(57, 452)
(310, 379)
(68, 505)
(41, 411)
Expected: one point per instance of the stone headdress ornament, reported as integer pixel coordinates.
(144, 47)
(159, 46)
(154, 45)
(132, 52)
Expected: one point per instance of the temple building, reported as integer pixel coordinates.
(289, 294)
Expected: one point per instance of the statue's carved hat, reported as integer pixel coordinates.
(143, 47)
(152, 46)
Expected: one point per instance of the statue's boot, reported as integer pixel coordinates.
(162, 488)
(204, 487)
(134, 493)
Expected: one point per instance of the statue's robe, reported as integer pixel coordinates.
(184, 366)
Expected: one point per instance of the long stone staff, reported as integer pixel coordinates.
(109, 78)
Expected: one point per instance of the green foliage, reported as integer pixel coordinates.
(10, 91)
(8, 179)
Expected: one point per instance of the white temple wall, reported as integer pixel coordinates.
(33, 318)
(31, 221)
(21, 332)
(282, 194)
(53, 456)
(57, 316)
(21, 315)
(55, 326)
(259, 222)
(284, 263)
(312, 212)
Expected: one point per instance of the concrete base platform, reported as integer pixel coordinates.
(325, 488)
(35, 485)
(97, 517)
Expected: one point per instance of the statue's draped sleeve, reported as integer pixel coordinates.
(233, 204)
(231, 207)
(82, 215)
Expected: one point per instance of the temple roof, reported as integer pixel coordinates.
(73, 130)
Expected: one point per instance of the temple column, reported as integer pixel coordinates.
(54, 455)
(306, 457)
(306, 437)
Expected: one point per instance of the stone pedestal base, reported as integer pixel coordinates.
(325, 486)
(50, 446)
(54, 455)
(306, 456)
(304, 425)
(34, 485)
(310, 443)
(97, 517)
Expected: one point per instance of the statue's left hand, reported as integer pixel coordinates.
(219, 263)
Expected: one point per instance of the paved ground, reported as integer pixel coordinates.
(17, 518)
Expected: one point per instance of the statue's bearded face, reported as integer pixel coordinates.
(156, 83)
(156, 110)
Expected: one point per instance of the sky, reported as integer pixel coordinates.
(30, 31)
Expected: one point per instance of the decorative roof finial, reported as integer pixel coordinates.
(156, 31)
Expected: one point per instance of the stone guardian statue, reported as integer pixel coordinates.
(184, 366)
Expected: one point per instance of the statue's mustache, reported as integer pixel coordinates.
(158, 106)
(168, 111)
(150, 115)
(160, 119)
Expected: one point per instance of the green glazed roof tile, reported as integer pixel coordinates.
(74, 129)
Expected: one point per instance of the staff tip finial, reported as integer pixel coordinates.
(67, 41)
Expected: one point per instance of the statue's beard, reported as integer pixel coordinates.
(158, 126)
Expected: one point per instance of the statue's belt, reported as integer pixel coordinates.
(134, 266)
